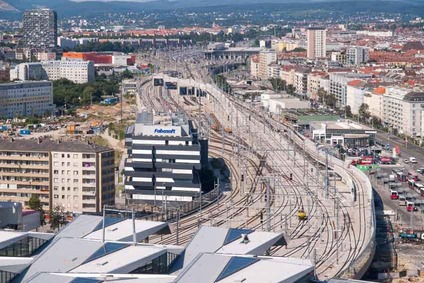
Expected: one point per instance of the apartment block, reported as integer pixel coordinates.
(79, 72)
(316, 42)
(357, 55)
(26, 98)
(78, 176)
(254, 66)
(164, 159)
(39, 28)
(301, 80)
(338, 85)
(266, 57)
(402, 110)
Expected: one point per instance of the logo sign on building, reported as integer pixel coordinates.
(157, 130)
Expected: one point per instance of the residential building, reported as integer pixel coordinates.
(402, 110)
(357, 55)
(39, 28)
(314, 83)
(287, 74)
(316, 42)
(338, 85)
(79, 72)
(301, 80)
(254, 66)
(26, 98)
(374, 100)
(274, 70)
(78, 176)
(355, 92)
(339, 56)
(164, 159)
(266, 57)
(83, 177)
(281, 45)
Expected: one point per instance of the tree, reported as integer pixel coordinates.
(321, 95)
(57, 217)
(34, 203)
(348, 111)
(364, 113)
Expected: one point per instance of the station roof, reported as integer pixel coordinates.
(116, 229)
(224, 268)
(223, 240)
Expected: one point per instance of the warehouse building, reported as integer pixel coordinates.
(164, 159)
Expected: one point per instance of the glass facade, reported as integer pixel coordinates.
(23, 248)
(159, 265)
(6, 277)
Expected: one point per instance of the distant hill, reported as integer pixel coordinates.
(64, 8)
(4, 6)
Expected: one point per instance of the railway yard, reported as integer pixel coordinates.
(275, 175)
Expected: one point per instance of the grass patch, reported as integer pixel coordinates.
(100, 141)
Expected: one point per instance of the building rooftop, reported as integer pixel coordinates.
(46, 145)
(209, 267)
(342, 125)
(414, 96)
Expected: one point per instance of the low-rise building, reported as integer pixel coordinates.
(26, 98)
(77, 176)
(79, 72)
(346, 133)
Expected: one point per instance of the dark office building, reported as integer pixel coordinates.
(164, 159)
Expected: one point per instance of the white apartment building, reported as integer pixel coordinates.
(274, 70)
(402, 110)
(317, 42)
(266, 57)
(355, 92)
(357, 55)
(338, 85)
(26, 99)
(79, 72)
(374, 99)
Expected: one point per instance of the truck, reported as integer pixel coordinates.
(412, 159)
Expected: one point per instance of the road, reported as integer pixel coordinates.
(406, 149)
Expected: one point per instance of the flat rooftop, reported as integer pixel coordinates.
(47, 145)
(342, 125)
